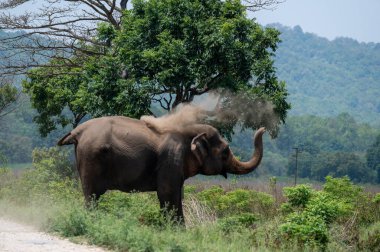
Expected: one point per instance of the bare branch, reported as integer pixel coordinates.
(58, 29)
(11, 3)
(256, 5)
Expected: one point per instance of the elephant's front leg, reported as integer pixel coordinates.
(171, 201)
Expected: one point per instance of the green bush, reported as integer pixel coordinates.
(74, 221)
(190, 189)
(53, 162)
(246, 219)
(6, 177)
(152, 217)
(237, 222)
(326, 207)
(305, 228)
(51, 178)
(310, 212)
(376, 199)
(298, 196)
(211, 196)
(237, 201)
(115, 203)
(342, 189)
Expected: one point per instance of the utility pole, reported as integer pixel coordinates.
(298, 150)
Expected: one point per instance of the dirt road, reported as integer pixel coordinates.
(15, 237)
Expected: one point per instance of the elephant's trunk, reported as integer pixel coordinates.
(238, 167)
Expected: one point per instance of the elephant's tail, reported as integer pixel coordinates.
(67, 139)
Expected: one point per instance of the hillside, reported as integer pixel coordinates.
(326, 78)
(333, 87)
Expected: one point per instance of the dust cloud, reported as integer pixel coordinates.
(219, 109)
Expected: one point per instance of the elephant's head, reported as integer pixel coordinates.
(213, 155)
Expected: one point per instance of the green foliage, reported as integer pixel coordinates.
(236, 222)
(6, 178)
(104, 92)
(51, 177)
(194, 47)
(376, 198)
(237, 201)
(323, 74)
(310, 212)
(106, 32)
(305, 228)
(52, 163)
(72, 222)
(52, 92)
(211, 195)
(373, 157)
(166, 52)
(134, 222)
(330, 146)
(8, 95)
(298, 196)
(326, 207)
(342, 189)
(114, 203)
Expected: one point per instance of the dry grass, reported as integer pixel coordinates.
(196, 213)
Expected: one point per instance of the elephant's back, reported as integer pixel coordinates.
(113, 130)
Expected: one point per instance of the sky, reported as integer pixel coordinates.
(357, 19)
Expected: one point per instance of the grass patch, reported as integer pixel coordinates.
(338, 217)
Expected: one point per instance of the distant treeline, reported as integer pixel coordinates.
(330, 146)
(335, 146)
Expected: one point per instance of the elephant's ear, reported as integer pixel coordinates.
(200, 147)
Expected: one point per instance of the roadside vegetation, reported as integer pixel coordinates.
(337, 216)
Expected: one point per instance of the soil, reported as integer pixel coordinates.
(16, 237)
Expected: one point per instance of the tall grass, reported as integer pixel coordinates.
(231, 215)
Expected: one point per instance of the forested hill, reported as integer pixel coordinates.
(326, 78)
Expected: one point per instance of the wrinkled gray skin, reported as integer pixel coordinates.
(128, 154)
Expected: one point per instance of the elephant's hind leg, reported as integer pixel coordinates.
(93, 183)
(92, 192)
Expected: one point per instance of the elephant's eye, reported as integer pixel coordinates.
(225, 153)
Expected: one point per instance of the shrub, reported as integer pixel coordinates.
(237, 222)
(211, 196)
(51, 177)
(342, 189)
(376, 199)
(190, 189)
(310, 212)
(152, 216)
(114, 202)
(6, 177)
(73, 221)
(326, 207)
(237, 201)
(298, 196)
(305, 228)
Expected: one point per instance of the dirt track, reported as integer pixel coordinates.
(15, 237)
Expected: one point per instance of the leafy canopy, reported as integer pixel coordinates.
(166, 53)
(8, 95)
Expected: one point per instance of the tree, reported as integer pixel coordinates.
(337, 164)
(373, 157)
(8, 95)
(50, 32)
(169, 52)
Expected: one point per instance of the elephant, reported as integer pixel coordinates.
(121, 153)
